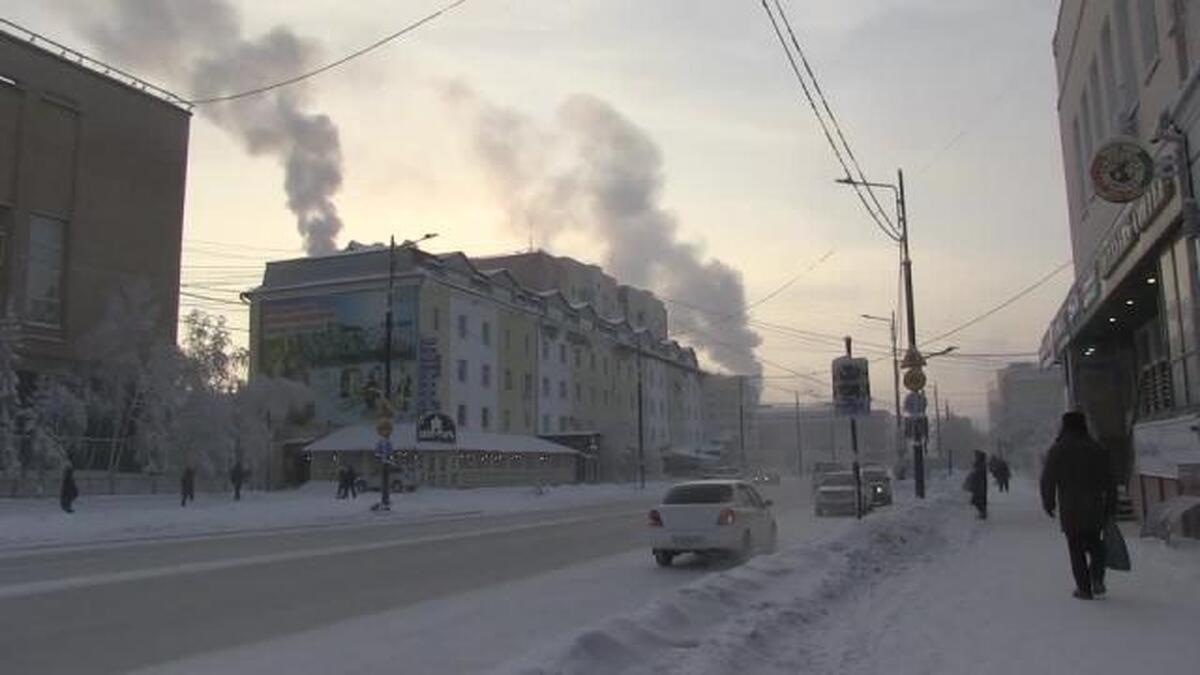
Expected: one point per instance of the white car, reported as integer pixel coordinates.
(836, 494)
(711, 517)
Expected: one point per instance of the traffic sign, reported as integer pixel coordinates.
(914, 379)
(851, 386)
(915, 403)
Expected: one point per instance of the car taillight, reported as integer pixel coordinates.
(655, 519)
(726, 517)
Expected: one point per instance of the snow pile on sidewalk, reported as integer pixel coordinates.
(926, 588)
(733, 619)
(30, 523)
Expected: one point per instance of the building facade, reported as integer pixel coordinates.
(1126, 334)
(824, 436)
(479, 346)
(92, 174)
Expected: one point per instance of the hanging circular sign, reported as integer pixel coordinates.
(1121, 171)
(914, 379)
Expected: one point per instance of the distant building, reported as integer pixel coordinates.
(1024, 406)
(496, 355)
(581, 282)
(729, 419)
(824, 436)
(92, 173)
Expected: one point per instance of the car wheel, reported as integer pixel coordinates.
(664, 558)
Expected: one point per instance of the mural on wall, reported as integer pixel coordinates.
(334, 344)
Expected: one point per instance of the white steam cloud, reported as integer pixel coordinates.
(199, 44)
(594, 172)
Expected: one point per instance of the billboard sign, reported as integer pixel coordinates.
(851, 386)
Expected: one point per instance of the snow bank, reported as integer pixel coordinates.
(33, 523)
(730, 620)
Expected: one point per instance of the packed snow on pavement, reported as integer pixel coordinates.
(925, 588)
(31, 523)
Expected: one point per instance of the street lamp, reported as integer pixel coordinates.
(912, 358)
(385, 499)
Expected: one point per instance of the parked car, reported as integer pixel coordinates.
(764, 477)
(820, 469)
(711, 517)
(836, 495)
(877, 481)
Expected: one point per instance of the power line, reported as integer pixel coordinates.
(209, 298)
(333, 64)
(1022, 293)
(885, 228)
(832, 118)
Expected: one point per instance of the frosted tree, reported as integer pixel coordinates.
(56, 419)
(10, 456)
(262, 408)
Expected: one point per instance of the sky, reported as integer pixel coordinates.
(960, 94)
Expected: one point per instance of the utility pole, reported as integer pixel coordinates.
(899, 437)
(911, 324)
(641, 431)
(858, 505)
(937, 411)
(799, 447)
(741, 380)
(950, 455)
(385, 489)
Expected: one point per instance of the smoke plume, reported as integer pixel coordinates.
(200, 45)
(595, 172)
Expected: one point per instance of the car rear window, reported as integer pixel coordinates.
(838, 479)
(699, 494)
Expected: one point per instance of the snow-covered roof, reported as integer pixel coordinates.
(363, 437)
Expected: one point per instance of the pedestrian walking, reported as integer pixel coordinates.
(69, 491)
(977, 484)
(1078, 480)
(187, 486)
(1005, 473)
(236, 476)
(343, 479)
(352, 481)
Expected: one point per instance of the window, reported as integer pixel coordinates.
(486, 330)
(462, 326)
(593, 395)
(437, 320)
(562, 354)
(47, 247)
(592, 358)
(507, 340)
(562, 389)
(528, 345)
(1108, 70)
(578, 393)
(1099, 115)
(578, 357)
(1080, 164)
(545, 350)
(562, 423)
(508, 379)
(604, 365)
(527, 387)
(506, 420)
(462, 416)
(1129, 79)
(1148, 18)
(485, 375)
(526, 427)
(462, 371)
(485, 418)
(545, 424)
(545, 387)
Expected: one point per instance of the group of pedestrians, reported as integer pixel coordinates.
(68, 491)
(347, 482)
(1077, 484)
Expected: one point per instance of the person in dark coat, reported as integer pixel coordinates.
(69, 491)
(1000, 471)
(343, 478)
(351, 481)
(187, 486)
(236, 476)
(977, 484)
(1078, 480)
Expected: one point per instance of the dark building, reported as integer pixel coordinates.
(92, 172)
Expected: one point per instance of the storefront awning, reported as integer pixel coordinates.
(363, 437)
